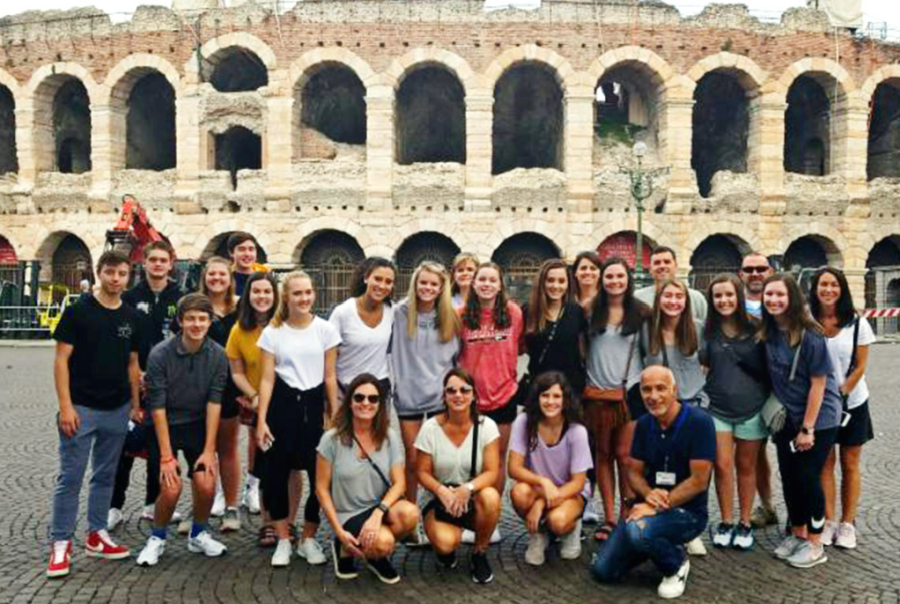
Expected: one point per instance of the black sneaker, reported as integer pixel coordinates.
(448, 561)
(384, 570)
(481, 568)
(344, 566)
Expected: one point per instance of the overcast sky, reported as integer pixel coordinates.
(875, 10)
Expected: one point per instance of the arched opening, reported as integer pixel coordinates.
(528, 119)
(721, 127)
(623, 245)
(807, 125)
(72, 127)
(150, 124)
(8, 157)
(332, 105)
(235, 69)
(218, 246)
(883, 282)
(418, 248)
(330, 257)
(716, 254)
(810, 252)
(238, 149)
(883, 158)
(71, 263)
(431, 117)
(626, 110)
(520, 257)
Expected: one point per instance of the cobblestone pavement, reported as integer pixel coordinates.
(28, 452)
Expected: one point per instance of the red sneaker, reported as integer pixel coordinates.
(60, 559)
(100, 545)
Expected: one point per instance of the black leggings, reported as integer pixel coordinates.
(295, 419)
(800, 477)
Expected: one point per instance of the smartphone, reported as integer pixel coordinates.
(793, 447)
(845, 419)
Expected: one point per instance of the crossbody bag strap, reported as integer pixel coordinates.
(797, 357)
(372, 463)
(474, 448)
(551, 336)
(628, 363)
(853, 350)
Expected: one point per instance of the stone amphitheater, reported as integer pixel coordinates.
(415, 129)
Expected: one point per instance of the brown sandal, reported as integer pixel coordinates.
(267, 537)
(603, 533)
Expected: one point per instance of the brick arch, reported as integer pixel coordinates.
(748, 73)
(45, 72)
(422, 57)
(6, 79)
(238, 38)
(650, 63)
(121, 78)
(297, 73)
(880, 76)
(813, 67)
(565, 74)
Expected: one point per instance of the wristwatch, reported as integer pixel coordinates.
(385, 509)
(807, 431)
(471, 487)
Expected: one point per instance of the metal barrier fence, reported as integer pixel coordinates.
(23, 323)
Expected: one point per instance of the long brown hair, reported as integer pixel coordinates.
(472, 314)
(747, 325)
(537, 302)
(343, 423)
(685, 331)
(229, 293)
(796, 316)
(461, 258)
(533, 412)
(635, 311)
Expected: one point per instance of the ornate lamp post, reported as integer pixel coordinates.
(641, 190)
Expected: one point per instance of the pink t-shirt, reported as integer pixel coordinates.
(490, 354)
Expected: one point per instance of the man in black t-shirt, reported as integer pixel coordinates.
(673, 452)
(156, 300)
(96, 372)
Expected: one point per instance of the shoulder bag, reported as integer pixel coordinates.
(773, 413)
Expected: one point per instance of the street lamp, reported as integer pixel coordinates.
(641, 190)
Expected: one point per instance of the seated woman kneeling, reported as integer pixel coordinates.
(360, 479)
(458, 460)
(549, 457)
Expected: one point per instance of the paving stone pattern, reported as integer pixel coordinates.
(28, 460)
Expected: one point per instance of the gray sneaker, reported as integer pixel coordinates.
(787, 547)
(807, 555)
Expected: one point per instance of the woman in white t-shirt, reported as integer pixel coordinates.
(461, 494)
(364, 323)
(831, 304)
(297, 363)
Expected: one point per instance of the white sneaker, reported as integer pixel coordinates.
(496, 537)
(845, 537)
(468, 536)
(673, 587)
(250, 499)
(151, 553)
(310, 550)
(537, 543)
(282, 555)
(787, 547)
(591, 513)
(218, 506)
(113, 519)
(807, 555)
(148, 511)
(206, 545)
(695, 547)
(828, 532)
(570, 545)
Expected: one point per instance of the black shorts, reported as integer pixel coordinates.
(418, 416)
(187, 438)
(466, 521)
(503, 415)
(354, 525)
(859, 431)
(230, 407)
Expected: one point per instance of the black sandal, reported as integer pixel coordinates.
(603, 533)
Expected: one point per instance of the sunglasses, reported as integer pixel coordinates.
(451, 390)
(755, 269)
(373, 399)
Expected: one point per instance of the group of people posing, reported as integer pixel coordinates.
(647, 391)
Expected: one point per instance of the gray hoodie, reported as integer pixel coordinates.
(418, 366)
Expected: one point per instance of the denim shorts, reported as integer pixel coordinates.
(749, 429)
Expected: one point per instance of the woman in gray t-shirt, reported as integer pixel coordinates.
(360, 480)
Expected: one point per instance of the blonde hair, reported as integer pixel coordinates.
(283, 312)
(460, 258)
(230, 301)
(446, 319)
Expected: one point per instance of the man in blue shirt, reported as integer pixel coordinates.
(673, 451)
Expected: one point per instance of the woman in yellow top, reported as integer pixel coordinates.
(255, 309)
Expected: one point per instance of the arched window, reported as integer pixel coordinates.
(520, 257)
(238, 149)
(721, 127)
(418, 248)
(150, 124)
(72, 128)
(884, 132)
(8, 159)
(431, 117)
(331, 258)
(235, 69)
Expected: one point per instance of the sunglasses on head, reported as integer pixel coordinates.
(755, 269)
(453, 389)
(373, 399)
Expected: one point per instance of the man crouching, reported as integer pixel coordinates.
(185, 378)
(673, 452)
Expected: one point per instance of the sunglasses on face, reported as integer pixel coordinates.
(451, 390)
(755, 269)
(372, 399)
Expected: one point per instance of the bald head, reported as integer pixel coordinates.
(658, 389)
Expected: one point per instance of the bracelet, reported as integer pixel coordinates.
(163, 462)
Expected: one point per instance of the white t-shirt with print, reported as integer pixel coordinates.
(300, 353)
(363, 348)
(840, 349)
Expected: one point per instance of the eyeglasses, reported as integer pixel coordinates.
(755, 269)
(451, 390)
(373, 399)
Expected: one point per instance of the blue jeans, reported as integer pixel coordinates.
(658, 538)
(99, 437)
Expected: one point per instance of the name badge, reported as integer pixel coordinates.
(665, 479)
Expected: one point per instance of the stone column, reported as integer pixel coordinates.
(772, 200)
(191, 156)
(279, 144)
(578, 146)
(107, 134)
(379, 147)
(852, 148)
(25, 143)
(678, 123)
(856, 279)
(479, 150)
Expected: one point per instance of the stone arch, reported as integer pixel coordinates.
(302, 67)
(424, 90)
(624, 245)
(751, 75)
(124, 75)
(883, 140)
(815, 67)
(651, 232)
(717, 253)
(882, 280)
(65, 260)
(417, 248)
(192, 68)
(414, 60)
(562, 70)
(520, 256)
(237, 148)
(811, 251)
(331, 257)
(218, 246)
(8, 253)
(9, 161)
